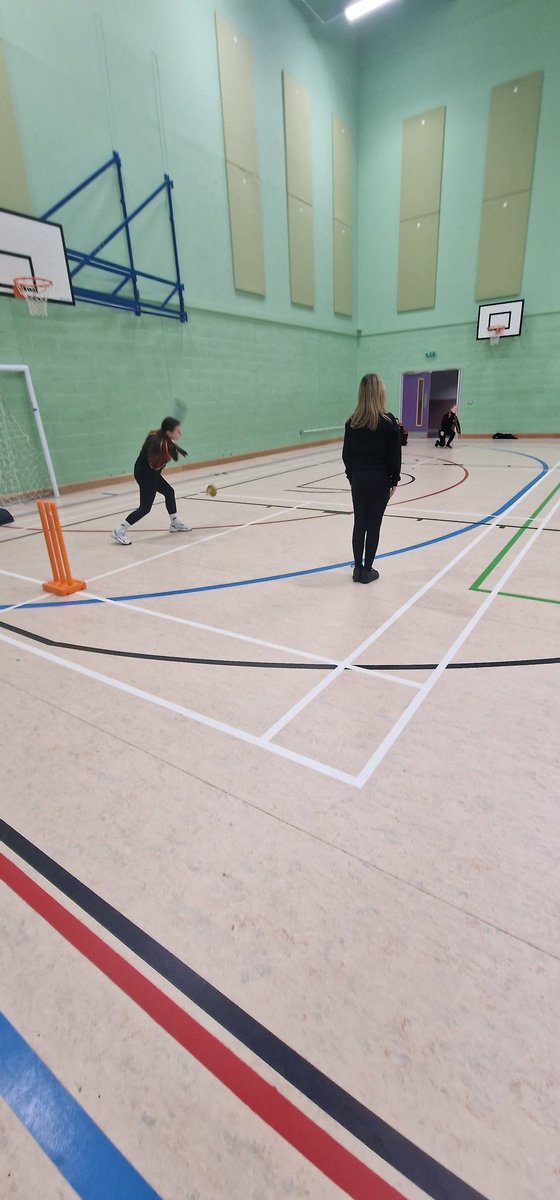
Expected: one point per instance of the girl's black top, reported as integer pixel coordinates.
(373, 450)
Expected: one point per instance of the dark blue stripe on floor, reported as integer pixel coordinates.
(89, 1162)
(370, 1129)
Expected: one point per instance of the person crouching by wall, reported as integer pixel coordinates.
(449, 427)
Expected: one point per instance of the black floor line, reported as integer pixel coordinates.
(277, 666)
(370, 1129)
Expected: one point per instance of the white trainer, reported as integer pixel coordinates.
(120, 534)
(178, 526)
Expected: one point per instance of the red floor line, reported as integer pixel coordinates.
(440, 491)
(335, 1162)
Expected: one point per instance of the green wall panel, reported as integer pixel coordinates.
(422, 159)
(512, 136)
(342, 171)
(238, 96)
(510, 156)
(421, 170)
(299, 190)
(14, 190)
(503, 230)
(242, 159)
(342, 268)
(343, 217)
(418, 252)
(245, 227)
(300, 229)
(297, 135)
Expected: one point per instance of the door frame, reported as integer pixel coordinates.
(436, 371)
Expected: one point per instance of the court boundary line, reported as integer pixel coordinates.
(401, 724)
(180, 710)
(498, 558)
(188, 545)
(313, 1142)
(264, 741)
(330, 1098)
(320, 687)
(89, 1161)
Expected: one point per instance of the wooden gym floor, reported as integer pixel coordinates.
(281, 851)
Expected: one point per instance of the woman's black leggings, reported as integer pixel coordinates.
(370, 494)
(149, 483)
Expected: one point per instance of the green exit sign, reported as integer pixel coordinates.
(431, 354)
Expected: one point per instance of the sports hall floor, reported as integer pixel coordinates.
(282, 905)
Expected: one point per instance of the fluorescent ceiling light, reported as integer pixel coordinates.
(360, 8)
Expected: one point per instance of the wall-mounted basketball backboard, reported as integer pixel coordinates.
(505, 316)
(29, 246)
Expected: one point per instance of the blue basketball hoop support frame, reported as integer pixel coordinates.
(126, 275)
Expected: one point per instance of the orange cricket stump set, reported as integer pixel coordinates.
(62, 582)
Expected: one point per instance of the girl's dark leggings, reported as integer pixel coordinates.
(370, 493)
(149, 483)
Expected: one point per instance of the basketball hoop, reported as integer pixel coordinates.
(495, 332)
(35, 291)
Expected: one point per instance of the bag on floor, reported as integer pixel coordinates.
(504, 437)
(5, 516)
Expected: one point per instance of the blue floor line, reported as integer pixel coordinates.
(237, 583)
(79, 1149)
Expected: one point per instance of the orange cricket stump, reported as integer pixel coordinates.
(62, 582)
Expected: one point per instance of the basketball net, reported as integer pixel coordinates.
(35, 292)
(495, 332)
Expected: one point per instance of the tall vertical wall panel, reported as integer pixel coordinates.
(299, 190)
(422, 163)
(342, 216)
(510, 156)
(242, 159)
(14, 190)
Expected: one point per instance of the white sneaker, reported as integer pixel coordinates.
(120, 534)
(178, 526)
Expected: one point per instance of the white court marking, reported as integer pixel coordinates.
(253, 641)
(426, 688)
(189, 545)
(426, 587)
(264, 741)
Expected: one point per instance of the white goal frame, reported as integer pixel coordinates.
(22, 369)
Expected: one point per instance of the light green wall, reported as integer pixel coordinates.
(419, 57)
(248, 384)
(252, 370)
(70, 121)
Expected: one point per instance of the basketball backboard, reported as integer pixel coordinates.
(29, 246)
(505, 315)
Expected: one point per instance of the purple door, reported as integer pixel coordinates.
(416, 402)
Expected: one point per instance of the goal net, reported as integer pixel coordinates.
(24, 471)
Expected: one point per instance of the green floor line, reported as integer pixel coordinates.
(518, 596)
(476, 586)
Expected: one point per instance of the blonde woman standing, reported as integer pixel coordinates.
(372, 458)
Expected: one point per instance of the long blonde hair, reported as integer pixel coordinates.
(371, 403)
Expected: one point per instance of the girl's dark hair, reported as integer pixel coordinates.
(169, 424)
(159, 446)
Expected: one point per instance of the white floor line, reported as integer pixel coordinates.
(22, 603)
(240, 637)
(406, 716)
(189, 545)
(200, 718)
(301, 704)
(252, 641)
(26, 578)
